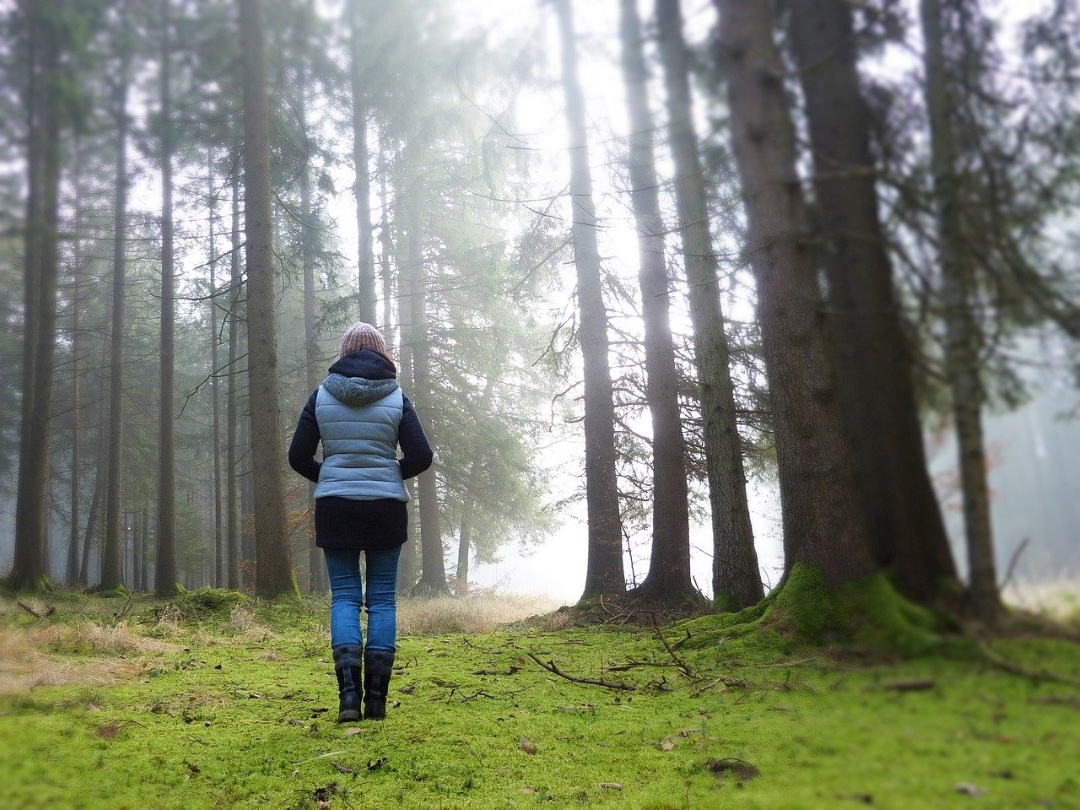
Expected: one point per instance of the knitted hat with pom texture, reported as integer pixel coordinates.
(362, 336)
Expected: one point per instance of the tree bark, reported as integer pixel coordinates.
(961, 329)
(407, 566)
(604, 575)
(873, 360)
(165, 560)
(111, 555)
(825, 526)
(317, 580)
(736, 579)
(367, 298)
(71, 577)
(232, 495)
(220, 549)
(273, 568)
(671, 511)
(432, 566)
(43, 99)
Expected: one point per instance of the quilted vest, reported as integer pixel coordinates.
(359, 448)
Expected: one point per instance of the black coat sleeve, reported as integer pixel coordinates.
(305, 442)
(416, 451)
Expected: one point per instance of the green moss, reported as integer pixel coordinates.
(218, 720)
(804, 610)
(869, 613)
(208, 601)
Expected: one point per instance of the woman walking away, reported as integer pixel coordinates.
(361, 416)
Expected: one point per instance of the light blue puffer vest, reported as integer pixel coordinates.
(359, 444)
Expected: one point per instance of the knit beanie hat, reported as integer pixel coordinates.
(362, 336)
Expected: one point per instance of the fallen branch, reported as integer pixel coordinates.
(682, 665)
(554, 670)
(51, 610)
(730, 683)
(1034, 675)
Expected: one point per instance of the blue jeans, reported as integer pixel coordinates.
(347, 596)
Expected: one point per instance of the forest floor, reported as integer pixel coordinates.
(212, 699)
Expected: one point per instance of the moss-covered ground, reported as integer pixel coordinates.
(212, 700)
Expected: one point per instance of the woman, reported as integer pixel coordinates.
(361, 416)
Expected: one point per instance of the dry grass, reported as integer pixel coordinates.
(37, 656)
(246, 627)
(1058, 599)
(475, 613)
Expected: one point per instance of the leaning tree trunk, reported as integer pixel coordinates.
(825, 527)
(670, 507)
(604, 575)
(874, 362)
(111, 556)
(273, 569)
(736, 579)
(43, 100)
(961, 329)
(165, 559)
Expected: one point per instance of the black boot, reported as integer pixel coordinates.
(378, 666)
(347, 664)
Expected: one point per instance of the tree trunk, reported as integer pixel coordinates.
(232, 496)
(367, 299)
(317, 579)
(165, 561)
(961, 330)
(475, 473)
(671, 512)
(43, 100)
(220, 551)
(71, 578)
(461, 575)
(825, 527)
(432, 565)
(407, 568)
(273, 569)
(93, 517)
(736, 579)
(874, 363)
(604, 575)
(387, 246)
(111, 554)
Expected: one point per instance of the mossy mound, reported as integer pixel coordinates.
(868, 614)
(207, 602)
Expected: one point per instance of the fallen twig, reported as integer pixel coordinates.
(1016, 669)
(682, 665)
(730, 683)
(320, 756)
(28, 609)
(554, 670)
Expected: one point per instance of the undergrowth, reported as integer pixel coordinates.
(214, 699)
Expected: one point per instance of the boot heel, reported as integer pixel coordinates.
(378, 667)
(347, 667)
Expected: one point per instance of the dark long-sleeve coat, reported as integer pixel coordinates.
(343, 522)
